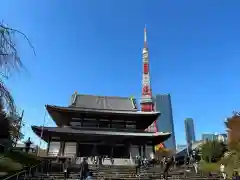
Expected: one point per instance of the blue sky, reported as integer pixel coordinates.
(94, 47)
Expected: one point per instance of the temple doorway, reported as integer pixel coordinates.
(116, 151)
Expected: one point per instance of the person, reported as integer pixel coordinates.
(100, 160)
(167, 167)
(153, 160)
(186, 160)
(84, 169)
(163, 162)
(222, 171)
(138, 165)
(66, 168)
(112, 160)
(28, 145)
(174, 162)
(195, 164)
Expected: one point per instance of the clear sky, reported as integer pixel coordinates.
(94, 47)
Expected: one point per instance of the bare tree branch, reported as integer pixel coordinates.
(24, 35)
(9, 58)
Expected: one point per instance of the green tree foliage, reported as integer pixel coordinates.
(10, 128)
(232, 158)
(16, 125)
(212, 151)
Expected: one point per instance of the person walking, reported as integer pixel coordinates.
(168, 164)
(222, 171)
(138, 165)
(195, 165)
(84, 169)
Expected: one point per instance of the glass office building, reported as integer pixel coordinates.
(208, 137)
(214, 137)
(189, 130)
(165, 120)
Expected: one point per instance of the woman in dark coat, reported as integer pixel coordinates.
(84, 169)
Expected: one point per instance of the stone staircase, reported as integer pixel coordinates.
(118, 172)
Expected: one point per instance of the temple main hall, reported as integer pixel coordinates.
(100, 126)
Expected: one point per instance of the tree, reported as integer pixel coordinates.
(4, 123)
(10, 128)
(212, 151)
(16, 124)
(9, 62)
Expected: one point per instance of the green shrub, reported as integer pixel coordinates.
(209, 167)
(212, 151)
(15, 161)
(23, 158)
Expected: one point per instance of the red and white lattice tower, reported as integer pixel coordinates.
(147, 104)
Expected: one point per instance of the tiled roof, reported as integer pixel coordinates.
(103, 102)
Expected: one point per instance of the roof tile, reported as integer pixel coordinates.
(104, 102)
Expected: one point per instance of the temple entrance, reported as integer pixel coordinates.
(116, 151)
(85, 150)
(121, 151)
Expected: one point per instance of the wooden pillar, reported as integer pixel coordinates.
(48, 145)
(112, 151)
(62, 147)
(140, 150)
(144, 151)
(153, 149)
(129, 151)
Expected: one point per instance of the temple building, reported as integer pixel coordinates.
(233, 124)
(100, 126)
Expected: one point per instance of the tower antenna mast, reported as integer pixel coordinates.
(147, 103)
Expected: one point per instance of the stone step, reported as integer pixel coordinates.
(60, 176)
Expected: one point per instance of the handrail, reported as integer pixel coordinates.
(24, 171)
(17, 174)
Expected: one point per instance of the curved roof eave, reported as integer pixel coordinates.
(56, 114)
(82, 131)
(76, 109)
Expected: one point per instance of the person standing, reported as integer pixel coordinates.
(66, 165)
(28, 144)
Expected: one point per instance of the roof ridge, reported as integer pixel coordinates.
(108, 109)
(118, 97)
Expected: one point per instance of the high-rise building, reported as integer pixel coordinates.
(147, 103)
(165, 123)
(214, 137)
(189, 130)
(208, 137)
